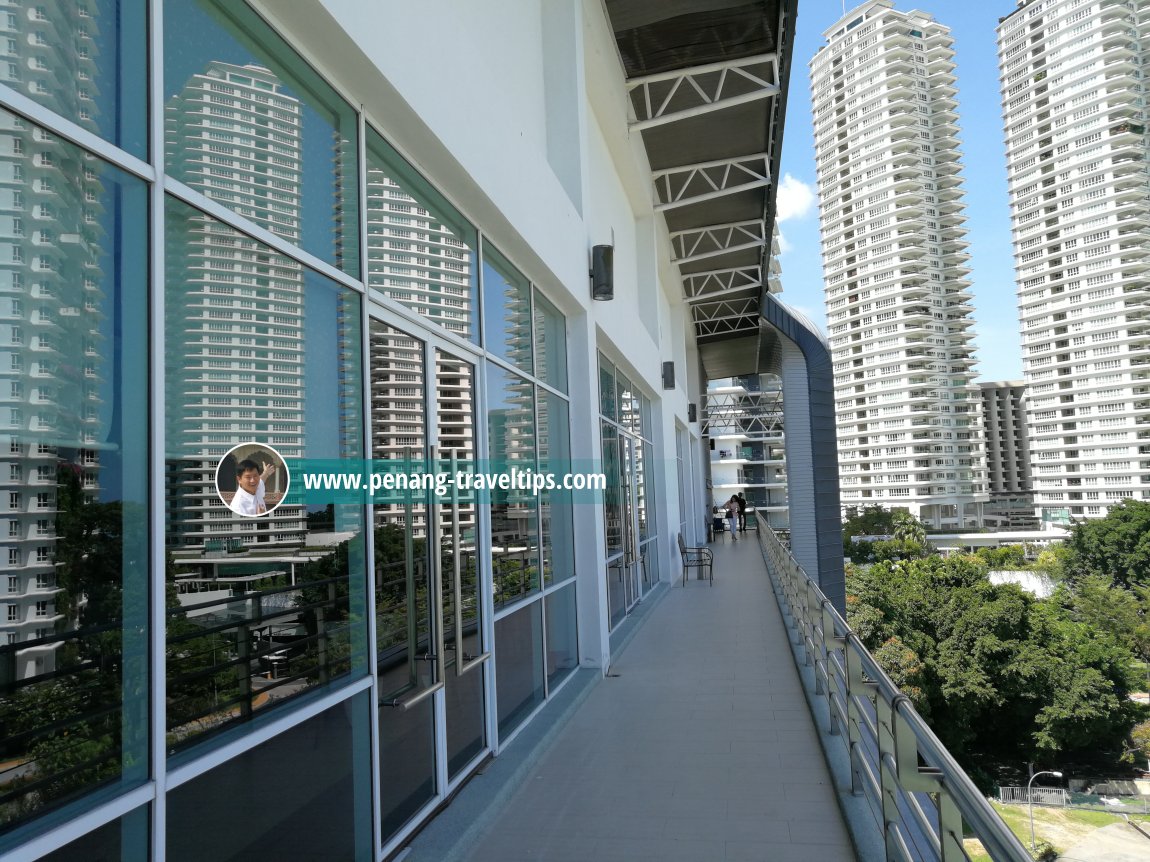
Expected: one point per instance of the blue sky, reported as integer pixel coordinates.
(984, 170)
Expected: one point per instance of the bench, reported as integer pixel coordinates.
(696, 558)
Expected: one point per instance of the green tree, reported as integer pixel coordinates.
(1140, 736)
(1002, 677)
(1053, 562)
(870, 521)
(907, 528)
(1117, 546)
(1007, 557)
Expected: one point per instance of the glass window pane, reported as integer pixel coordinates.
(123, 840)
(250, 125)
(613, 494)
(555, 515)
(261, 609)
(649, 566)
(514, 528)
(305, 794)
(519, 666)
(74, 456)
(402, 580)
(562, 634)
(617, 574)
(640, 474)
(458, 555)
(506, 310)
(550, 343)
(420, 251)
(627, 403)
(607, 389)
(87, 60)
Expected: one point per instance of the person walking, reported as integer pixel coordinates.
(733, 515)
(742, 512)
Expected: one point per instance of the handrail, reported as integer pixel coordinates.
(924, 803)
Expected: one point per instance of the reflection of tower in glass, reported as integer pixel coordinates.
(239, 328)
(50, 320)
(511, 432)
(520, 330)
(454, 384)
(415, 259)
(49, 360)
(398, 420)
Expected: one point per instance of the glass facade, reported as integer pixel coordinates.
(631, 565)
(281, 278)
(74, 675)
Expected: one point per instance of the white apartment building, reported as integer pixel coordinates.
(894, 263)
(1074, 114)
(53, 334)
(237, 136)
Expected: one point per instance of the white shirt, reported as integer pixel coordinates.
(244, 503)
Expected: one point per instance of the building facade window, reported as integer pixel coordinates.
(267, 293)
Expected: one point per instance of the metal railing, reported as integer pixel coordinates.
(924, 804)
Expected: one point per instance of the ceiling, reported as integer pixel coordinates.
(707, 81)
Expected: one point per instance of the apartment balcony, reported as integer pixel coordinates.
(706, 740)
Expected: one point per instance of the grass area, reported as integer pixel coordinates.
(1061, 828)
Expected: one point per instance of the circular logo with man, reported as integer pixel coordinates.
(252, 479)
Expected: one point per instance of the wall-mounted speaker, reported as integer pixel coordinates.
(692, 413)
(602, 272)
(668, 375)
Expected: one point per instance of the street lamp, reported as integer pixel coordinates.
(1030, 803)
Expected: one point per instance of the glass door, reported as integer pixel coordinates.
(457, 540)
(633, 512)
(625, 511)
(431, 661)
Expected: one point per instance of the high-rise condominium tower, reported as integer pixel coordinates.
(894, 266)
(1074, 110)
(239, 322)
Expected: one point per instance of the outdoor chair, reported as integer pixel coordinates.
(696, 558)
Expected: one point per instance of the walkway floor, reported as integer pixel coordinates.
(702, 748)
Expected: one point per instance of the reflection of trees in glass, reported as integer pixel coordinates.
(66, 728)
(200, 681)
(514, 512)
(229, 658)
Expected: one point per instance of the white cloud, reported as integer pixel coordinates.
(794, 200)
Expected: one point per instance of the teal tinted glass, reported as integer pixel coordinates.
(249, 124)
(420, 251)
(507, 330)
(519, 652)
(550, 343)
(123, 840)
(607, 405)
(87, 60)
(302, 795)
(556, 525)
(562, 634)
(284, 590)
(74, 463)
(514, 524)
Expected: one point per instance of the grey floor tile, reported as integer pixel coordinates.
(702, 749)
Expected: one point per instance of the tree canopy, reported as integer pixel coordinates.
(1003, 678)
(1116, 547)
(869, 521)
